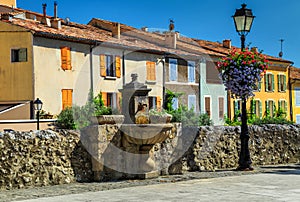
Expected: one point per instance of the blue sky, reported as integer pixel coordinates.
(203, 19)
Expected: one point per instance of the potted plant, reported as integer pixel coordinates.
(159, 116)
(104, 114)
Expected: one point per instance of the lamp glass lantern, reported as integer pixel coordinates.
(38, 104)
(243, 19)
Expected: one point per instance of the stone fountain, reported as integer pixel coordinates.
(139, 139)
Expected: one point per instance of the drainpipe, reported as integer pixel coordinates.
(199, 70)
(123, 67)
(290, 92)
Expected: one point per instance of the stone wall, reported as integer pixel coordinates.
(42, 158)
(55, 157)
(217, 147)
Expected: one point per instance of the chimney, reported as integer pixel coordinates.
(55, 22)
(227, 43)
(55, 9)
(116, 30)
(145, 29)
(45, 20)
(171, 39)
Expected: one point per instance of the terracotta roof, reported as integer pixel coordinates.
(295, 73)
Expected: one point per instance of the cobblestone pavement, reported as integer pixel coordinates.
(76, 188)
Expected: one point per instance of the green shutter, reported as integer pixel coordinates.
(259, 86)
(285, 106)
(274, 108)
(278, 82)
(284, 82)
(279, 105)
(273, 84)
(23, 55)
(267, 106)
(235, 106)
(260, 109)
(266, 82)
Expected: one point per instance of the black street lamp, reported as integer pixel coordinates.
(243, 19)
(38, 104)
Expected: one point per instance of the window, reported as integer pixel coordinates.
(269, 82)
(257, 108)
(66, 58)
(66, 98)
(282, 106)
(207, 106)
(191, 71)
(151, 71)
(110, 66)
(297, 118)
(173, 69)
(257, 86)
(270, 108)
(281, 83)
(237, 107)
(221, 107)
(19, 55)
(155, 102)
(111, 99)
(192, 102)
(297, 97)
(175, 103)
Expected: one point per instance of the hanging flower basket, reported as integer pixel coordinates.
(241, 71)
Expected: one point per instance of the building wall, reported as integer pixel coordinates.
(50, 78)
(296, 108)
(16, 83)
(214, 92)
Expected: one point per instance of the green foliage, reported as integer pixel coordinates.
(100, 108)
(272, 120)
(204, 120)
(169, 99)
(65, 119)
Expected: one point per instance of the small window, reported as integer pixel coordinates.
(237, 107)
(175, 103)
(221, 107)
(110, 66)
(281, 83)
(152, 102)
(270, 108)
(282, 106)
(191, 71)
(173, 69)
(151, 71)
(192, 102)
(297, 97)
(19, 55)
(269, 82)
(257, 108)
(207, 106)
(257, 86)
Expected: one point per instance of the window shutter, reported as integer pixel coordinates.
(23, 55)
(207, 105)
(260, 108)
(66, 98)
(273, 84)
(64, 58)
(285, 106)
(279, 82)
(280, 105)
(236, 106)
(153, 71)
(68, 58)
(148, 70)
(259, 86)
(266, 82)
(158, 102)
(118, 66)
(267, 105)
(273, 107)
(104, 98)
(102, 65)
(284, 83)
(221, 107)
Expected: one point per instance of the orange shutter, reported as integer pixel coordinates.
(158, 102)
(118, 66)
(119, 104)
(102, 65)
(66, 98)
(151, 71)
(104, 98)
(66, 58)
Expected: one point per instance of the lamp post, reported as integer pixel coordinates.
(38, 104)
(243, 19)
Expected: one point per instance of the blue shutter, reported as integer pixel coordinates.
(175, 103)
(191, 71)
(173, 70)
(297, 97)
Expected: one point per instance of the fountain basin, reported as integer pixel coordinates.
(145, 134)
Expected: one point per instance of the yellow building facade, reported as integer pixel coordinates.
(9, 3)
(272, 97)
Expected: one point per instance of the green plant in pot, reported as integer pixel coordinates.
(159, 116)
